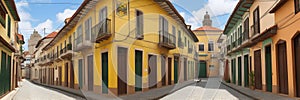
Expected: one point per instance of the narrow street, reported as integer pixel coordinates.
(30, 91)
(207, 89)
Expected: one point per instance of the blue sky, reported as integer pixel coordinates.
(50, 14)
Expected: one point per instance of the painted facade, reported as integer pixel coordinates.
(207, 49)
(117, 52)
(285, 66)
(10, 47)
(270, 50)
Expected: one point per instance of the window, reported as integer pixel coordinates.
(256, 21)
(87, 26)
(163, 27)
(103, 14)
(8, 27)
(246, 29)
(139, 24)
(201, 47)
(211, 46)
(174, 33)
(179, 39)
(79, 35)
(297, 6)
(2, 15)
(185, 41)
(70, 39)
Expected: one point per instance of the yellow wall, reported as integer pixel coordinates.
(204, 37)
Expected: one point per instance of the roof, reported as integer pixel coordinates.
(278, 5)
(20, 37)
(51, 35)
(239, 10)
(207, 28)
(13, 9)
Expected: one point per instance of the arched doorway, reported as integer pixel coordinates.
(297, 63)
(282, 67)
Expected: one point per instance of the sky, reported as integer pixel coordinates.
(47, 16)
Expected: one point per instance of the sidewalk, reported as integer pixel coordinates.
(12, 93)
(258, 95)
(151, 94)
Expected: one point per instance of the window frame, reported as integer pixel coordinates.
(203, 45)
(139, 24)
(209, 45)
(297, 6)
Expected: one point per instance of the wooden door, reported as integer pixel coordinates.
(268, 63)
(72, 74)
(185, 69)
(104, 72)
(138, 70)
(233, 70)
(176, 61)
(90, 63)
(60, 75)
(257, 69)
(152, 71)
(169, 71)
(246, 71)
(163, 71)
(80, 75)
(282, 68)
(66, 75)
(239, 71)
(202, 69)
(297, 64)
(122, 70)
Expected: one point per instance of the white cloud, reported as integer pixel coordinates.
(61, 16)
(48, 25)
(214, 8)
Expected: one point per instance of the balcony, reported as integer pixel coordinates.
(56, 57)
(239, 41)
(81, 44)
(67, 52)
(101, 31)
(233, 44)
(167, 40)
(228, 48)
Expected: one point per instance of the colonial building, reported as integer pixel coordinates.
(207, 48)
(249, 45)
(10, 46)
(285, 50)
(122, 51)
(38, 72)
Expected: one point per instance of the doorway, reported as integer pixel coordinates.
(239, 71)
(257, 69)
(233, 71)
(202, 69)
(152, 71)
(169, 71)
(66, 75)
(297, 63)
(104, 72)
(138, 70)
(268, 58)
(90, 73)
(282, 68)
(163, 71)
(122, 70)
(246, 71)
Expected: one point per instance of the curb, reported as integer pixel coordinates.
(157, 98)
(240, 91)
(70, 92)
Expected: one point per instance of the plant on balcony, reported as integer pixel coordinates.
(69, 47)
(252, 80)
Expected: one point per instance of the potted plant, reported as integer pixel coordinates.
(252, 80)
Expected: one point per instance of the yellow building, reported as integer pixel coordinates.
(143, 44)
(10, 46)
(208, 65)
(285, 48)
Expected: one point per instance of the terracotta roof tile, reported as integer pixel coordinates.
(20, 36)
(207, 28)
(51, 35)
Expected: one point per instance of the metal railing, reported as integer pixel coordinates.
(101, 29)
(166, 38)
